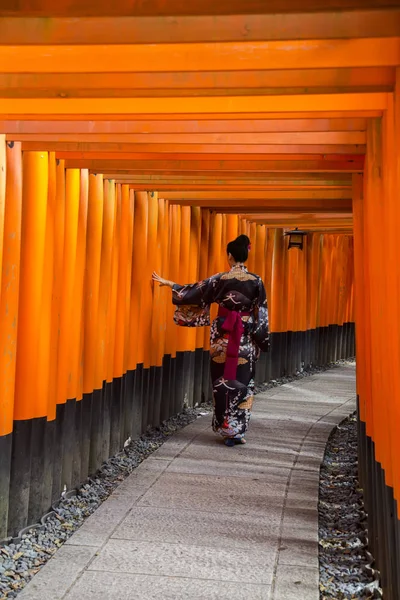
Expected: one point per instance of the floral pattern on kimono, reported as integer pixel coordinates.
(240, 291)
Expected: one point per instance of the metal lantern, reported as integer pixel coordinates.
(296, 238)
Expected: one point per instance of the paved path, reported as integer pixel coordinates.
(198, 520)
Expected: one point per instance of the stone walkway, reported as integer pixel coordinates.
(198, 520)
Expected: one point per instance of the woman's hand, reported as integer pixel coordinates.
(161, 281)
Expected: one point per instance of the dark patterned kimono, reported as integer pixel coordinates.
(238, 334)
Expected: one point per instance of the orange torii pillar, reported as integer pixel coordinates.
(12, 190)
(30, 409)
(135, 350)
(377, 302)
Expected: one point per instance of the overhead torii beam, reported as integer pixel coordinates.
(125, 8)
(215, 56)
(197, 117)
(192, 83)
(73, 130)
(329, 24)
(192, 151)
(353, 103)
(197, 166)
(270, 206)
(295, 194)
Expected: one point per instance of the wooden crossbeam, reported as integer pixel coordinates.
(108, 131)
(125, 8)
(115, 143)
(271, 183)
(189, 166)
(219, 56)
(303, 221)
(214, 160)
(294, 195)
(267, 210)
(270, 206)
(207, 83)
(246, 27)
(357, 102)
(183, 151)
(174, 117)
(274, 180)
(202, 187)
(333, 219)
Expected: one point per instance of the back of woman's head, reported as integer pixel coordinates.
(239, 248)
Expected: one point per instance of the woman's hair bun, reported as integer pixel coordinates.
(239, 248)
(243, 239)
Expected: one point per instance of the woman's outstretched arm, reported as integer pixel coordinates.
(163, 282)
(200, 293)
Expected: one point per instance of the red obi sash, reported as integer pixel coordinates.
(234, 325)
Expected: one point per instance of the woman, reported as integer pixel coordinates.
(238, 334)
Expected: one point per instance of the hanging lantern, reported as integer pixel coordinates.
(296, 238)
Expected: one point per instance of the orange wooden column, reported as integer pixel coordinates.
(293, 283)
(375, 232)
(3, 170)
(392, 138)
(65, 350)
(215, 248)
(81, 266)
(124, 281)
(147, 286)
(260, 250)
(361, 307)
(232, 225)
(276, 316)
(302, 296)
(164, 298)
(72, 195)
(184, 270)
(110, 190)
(109, 193)
(50, 293)
(129, 216)
(136, 354)
(194, 258)
(29, 409)
(202, 333)
(174, 275)
(267, 276)
(58, 269)
(91, 379)
(46, 359)
(34, 208)
(156, 265)
(224, 242)
(100, 426)
(123, 422)
(9, 301)
(313, 255)
(391, 322)
(92, 281)
(74, 387)
(251, 263)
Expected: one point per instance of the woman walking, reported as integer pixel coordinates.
(238, 334)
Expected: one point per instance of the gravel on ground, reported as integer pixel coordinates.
(346, 565)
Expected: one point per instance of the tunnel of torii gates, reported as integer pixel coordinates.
(140, 136)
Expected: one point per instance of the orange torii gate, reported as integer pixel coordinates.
(170, 127)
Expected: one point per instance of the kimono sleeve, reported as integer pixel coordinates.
(193, 302)
(201, 293)
(261, 324)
